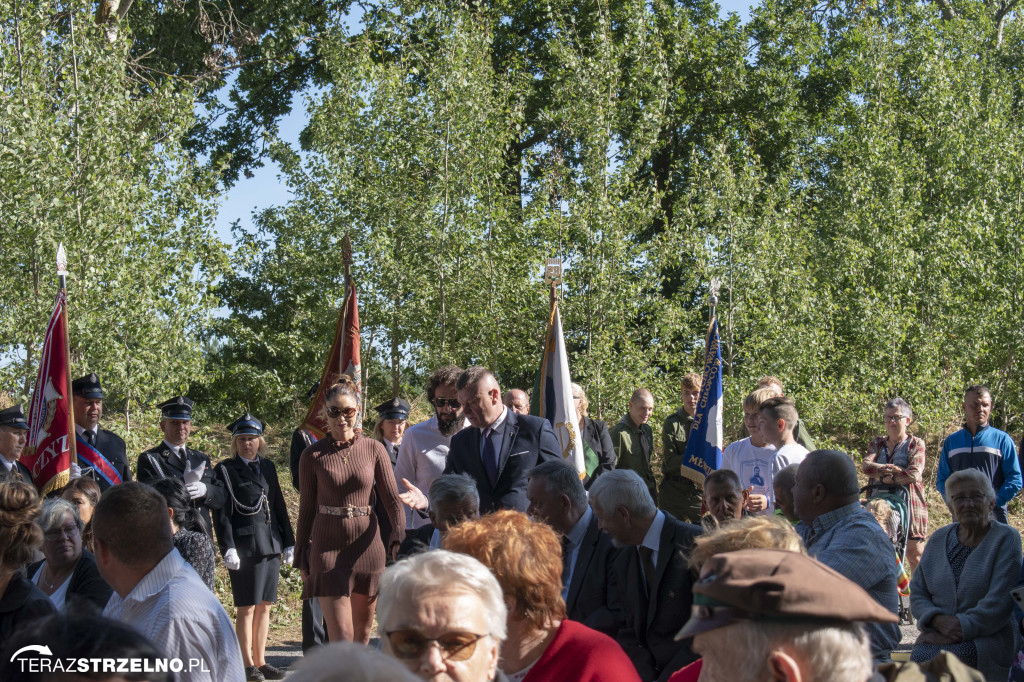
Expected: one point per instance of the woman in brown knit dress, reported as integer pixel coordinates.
(338, 546)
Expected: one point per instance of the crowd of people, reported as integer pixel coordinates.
(481, 554)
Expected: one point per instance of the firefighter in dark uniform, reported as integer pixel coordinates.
(172, 458)
(13, 437)
(392, 418)
(87, 396)
(254, 535)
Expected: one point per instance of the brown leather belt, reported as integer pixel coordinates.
(344, 512)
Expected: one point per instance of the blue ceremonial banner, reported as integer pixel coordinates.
(704, 446)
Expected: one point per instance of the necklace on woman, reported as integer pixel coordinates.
(346, 446)
(51, 586)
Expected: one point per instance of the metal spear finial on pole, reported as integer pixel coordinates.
(62, 266)
(553, 275)
(346, 257)
(716, 284)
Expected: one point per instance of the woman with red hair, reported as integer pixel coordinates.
(541, 644)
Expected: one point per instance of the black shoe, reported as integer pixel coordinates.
(253, 674)
(272, 673)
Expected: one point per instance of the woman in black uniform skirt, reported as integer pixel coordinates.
(253, 532)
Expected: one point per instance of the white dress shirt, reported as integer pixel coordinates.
(653, 538)
(175, 610)
(175, 450)
(421, 459)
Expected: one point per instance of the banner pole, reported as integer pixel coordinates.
(62, 271)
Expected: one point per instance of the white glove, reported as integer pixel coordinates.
(231, 560)
(196, 490)
(288, 556)
(193, 475)
(76, 471)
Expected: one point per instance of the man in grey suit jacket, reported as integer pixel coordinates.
(500, 447)
(558, 499)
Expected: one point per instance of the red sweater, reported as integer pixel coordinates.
(583, 655)
(688, 674)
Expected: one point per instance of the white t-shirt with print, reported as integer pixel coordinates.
(755, 467)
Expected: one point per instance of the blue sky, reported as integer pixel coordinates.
(266, 188)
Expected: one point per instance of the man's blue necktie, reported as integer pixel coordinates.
(490, 456)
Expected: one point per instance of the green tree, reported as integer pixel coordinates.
(88, 159)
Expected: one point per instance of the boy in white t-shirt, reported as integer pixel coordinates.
(751, 458)
(776, 419)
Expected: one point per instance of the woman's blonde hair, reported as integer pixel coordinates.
(750, 532)
(20, 536)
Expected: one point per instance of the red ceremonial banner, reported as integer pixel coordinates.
(51, 442)
(343, 359)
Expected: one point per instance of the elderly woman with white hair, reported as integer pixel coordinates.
(68, 574)
(442, 614)
(959, 592)
(595, 435)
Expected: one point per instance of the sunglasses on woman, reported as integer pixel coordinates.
(455, 646)
(335, 412)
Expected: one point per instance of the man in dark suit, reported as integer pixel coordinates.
(103, 456)
(557, 498)
(173, 458)
(500, 447)
(314, 629)
(13, 436)
(652, 577)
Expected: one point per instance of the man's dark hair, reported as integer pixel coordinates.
(561, 478)
(81, 636)
(786, 478)
(449, 489)
(781, 407)
(472, 376)
(447, 375)
(832, 469)
(724, 476)
(132, 523)
(980, 389)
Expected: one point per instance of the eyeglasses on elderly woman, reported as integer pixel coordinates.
(68, 531)
(455, 646)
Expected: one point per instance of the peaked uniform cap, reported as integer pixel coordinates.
(396, 408)
(247, 425)
(14, 418)
(87, 387)
(178, 407)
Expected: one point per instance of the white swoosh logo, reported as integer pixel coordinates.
(33, 647)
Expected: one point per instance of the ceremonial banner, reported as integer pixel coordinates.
(51, 440)
(704, 446)
(553, 398)
(343, 359)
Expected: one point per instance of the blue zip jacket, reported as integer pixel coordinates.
(991, 451)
